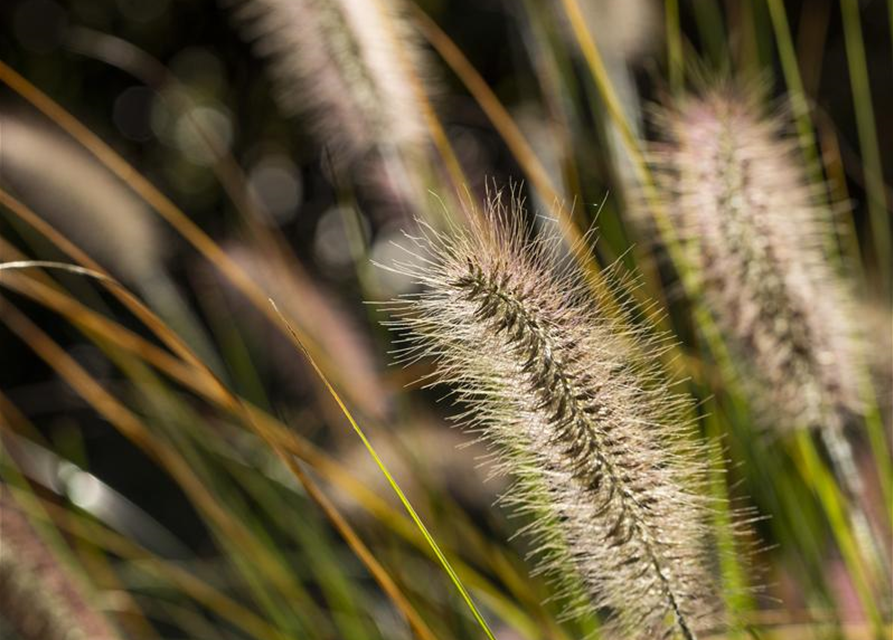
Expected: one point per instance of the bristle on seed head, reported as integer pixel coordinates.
(599, 447)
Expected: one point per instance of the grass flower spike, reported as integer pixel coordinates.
(598, 446)
(341, 63)
(753, 230)
(39, 599)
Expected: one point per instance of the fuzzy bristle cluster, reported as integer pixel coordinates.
(38, 598)
(598, 446)
(343, 64)
(754, 232)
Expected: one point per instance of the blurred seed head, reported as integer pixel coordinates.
(754, 230)
(624, 29)
(599, 448)
(342, 64)
(65, 185)
(39, 598)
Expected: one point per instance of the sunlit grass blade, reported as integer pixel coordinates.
(444, 562)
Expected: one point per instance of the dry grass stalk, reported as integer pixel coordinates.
(341, 64)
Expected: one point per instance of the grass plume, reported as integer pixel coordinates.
(78, 196)
(754, 229)
(39, 599)
(339, 63)
(597, 444)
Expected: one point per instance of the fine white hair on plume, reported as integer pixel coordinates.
(600, 449)
(754, 228)
(343, 64)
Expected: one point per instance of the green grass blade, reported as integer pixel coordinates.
(868, 143)
(675, 63)
(444, 562)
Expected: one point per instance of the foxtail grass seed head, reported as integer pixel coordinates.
(598, 446)
(342, 64)
(39, 599)
(753, 230)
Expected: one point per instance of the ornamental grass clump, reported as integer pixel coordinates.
(598, 445)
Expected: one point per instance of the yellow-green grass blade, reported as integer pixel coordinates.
(432, 543)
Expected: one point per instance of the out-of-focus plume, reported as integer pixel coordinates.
(754, 230)
(599, 447)
(342, 64)
(624, 30)
(39, 598)
(65, 185)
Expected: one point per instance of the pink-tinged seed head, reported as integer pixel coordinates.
(599, 448)
(754, 230)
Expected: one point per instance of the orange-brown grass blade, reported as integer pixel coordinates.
(363, 553)
(122, 294)
(276, 434)
(87, 319)
(145, 189)
(276, 252)
(104, 403)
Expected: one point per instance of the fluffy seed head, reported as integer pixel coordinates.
(38, 598)
(342, 64)
(596, 443)
(754, 231)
